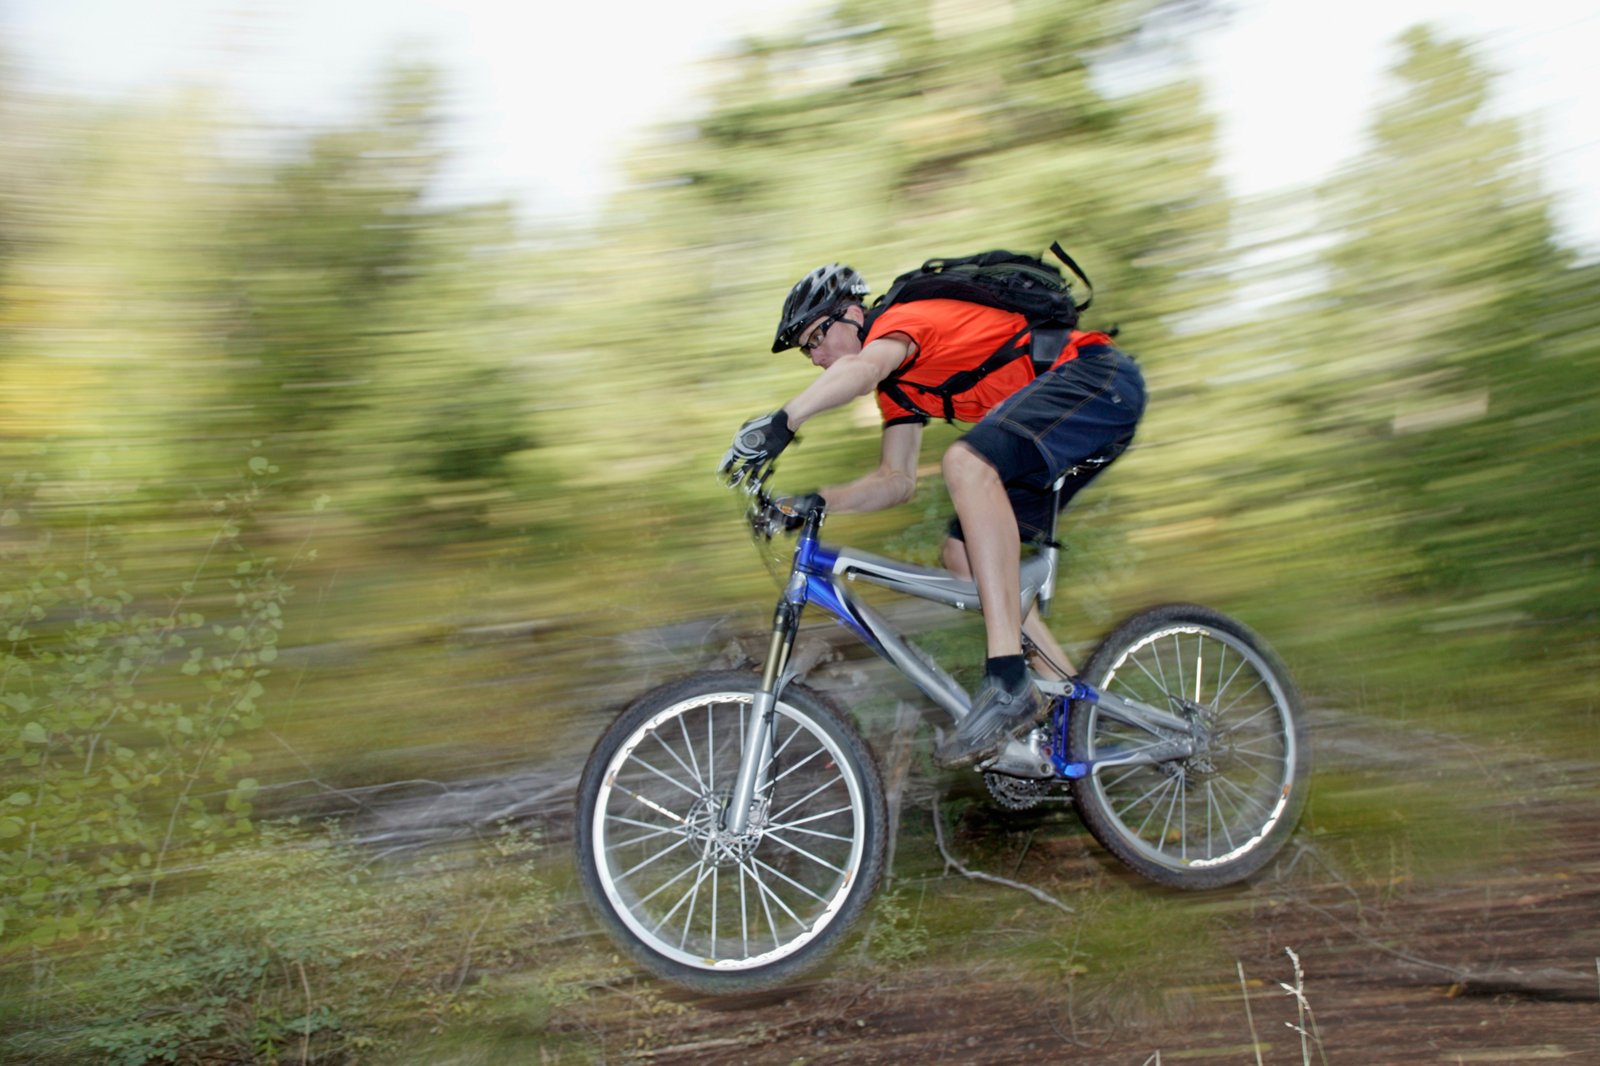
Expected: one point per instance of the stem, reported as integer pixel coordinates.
(172, 820)
(305, 1034)
(1255, 1041)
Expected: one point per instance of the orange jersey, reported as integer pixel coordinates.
(952, 336)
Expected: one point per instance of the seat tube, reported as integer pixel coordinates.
(1052, 550)
(758, 734)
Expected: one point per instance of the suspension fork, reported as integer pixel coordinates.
(758, 734)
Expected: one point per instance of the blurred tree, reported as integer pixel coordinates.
(1459, 362)
(310, 265)
(104, 328)
(367, 336)
(884, 134)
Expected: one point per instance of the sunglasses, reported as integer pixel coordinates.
(821, 332)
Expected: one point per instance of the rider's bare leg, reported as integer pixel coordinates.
(955, 560)
(993, 544)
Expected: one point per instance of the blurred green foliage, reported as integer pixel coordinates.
(119, 745)
(1371, 430)
(299, 950)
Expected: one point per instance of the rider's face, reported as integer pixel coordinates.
(832, 337)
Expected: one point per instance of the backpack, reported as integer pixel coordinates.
(1022, 284)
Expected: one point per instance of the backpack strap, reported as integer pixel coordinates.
(1061, 254)
(956, 384)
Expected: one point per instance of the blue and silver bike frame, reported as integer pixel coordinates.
(820, 574)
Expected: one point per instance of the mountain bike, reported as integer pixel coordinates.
(731, 825)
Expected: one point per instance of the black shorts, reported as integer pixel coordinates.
(1072, 422)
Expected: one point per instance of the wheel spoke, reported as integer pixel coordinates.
(674, 782)
(796, 766)
(826, 784)
(1223, 688)
(1271, 781)
(1199, 666)
(762, 893)
(619, 845)
(744, 920)
(1128, 771)
(1172, 806)
(711, 755)
(1235, 701)
(795, 827)
(679, 876)
(770, 835)
(644, 825)
(636, 868)
(1227, 830)
(1268, 709)
(1161, 682)
(774, 870)
(1155, 650)
(688, 745)
(689, 896)
(662, 742)
(1245, 797)
(785, 745)
(653, 805)
(809, 818)
(1178, 661)
(1160, 787)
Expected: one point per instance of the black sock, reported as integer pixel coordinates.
(1010, 670)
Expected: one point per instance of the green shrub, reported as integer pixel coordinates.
(293, 948)
(118, 722)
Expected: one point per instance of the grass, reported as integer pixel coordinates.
(394, 670)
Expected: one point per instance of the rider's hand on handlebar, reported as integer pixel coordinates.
(757, 444)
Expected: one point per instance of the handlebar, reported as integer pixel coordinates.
(769, 515)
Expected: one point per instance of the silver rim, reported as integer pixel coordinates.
(690, 891)
(1223, 802)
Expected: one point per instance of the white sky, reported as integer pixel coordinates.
(544, 95)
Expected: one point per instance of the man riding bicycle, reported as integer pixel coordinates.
(1069, 417)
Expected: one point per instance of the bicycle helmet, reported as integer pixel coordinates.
(819, 292)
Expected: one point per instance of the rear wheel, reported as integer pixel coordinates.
(693, 903)
(1217, 815)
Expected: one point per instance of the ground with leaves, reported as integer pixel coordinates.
(1496, 965)
(1439, 901)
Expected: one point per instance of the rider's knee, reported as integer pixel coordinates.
(963, 464)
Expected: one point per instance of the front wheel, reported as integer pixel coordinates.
(693, 903)
(1221, 813)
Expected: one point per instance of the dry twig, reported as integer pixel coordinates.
(951, 862)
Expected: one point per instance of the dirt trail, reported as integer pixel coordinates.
(1400, 965)
(1501, 968)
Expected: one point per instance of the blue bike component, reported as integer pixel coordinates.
(1061, 716)
(816, 561)
(823, 592)
(1080, 691)
(815, 557)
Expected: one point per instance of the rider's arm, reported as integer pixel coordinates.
(849, 377)
(892, 483)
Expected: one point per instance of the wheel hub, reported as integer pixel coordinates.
(704, 826)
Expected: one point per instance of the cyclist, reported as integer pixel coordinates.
(1030, 428)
